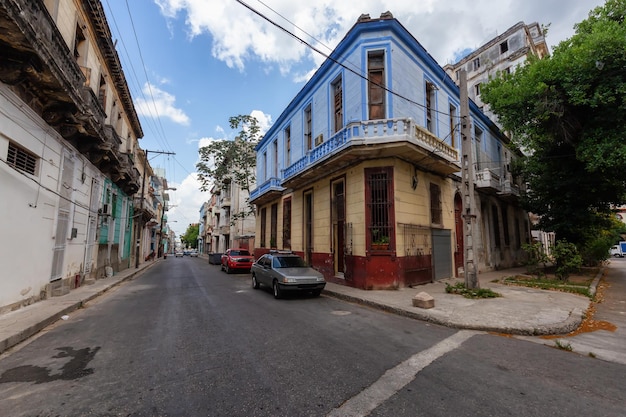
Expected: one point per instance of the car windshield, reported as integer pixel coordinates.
(289, 262)
(239, 253)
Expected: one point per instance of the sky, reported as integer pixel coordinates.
(192, 64)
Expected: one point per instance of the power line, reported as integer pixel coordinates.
(154, 117)
(327, 56)
(355, 72)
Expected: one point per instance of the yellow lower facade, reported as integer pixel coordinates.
(333, 223)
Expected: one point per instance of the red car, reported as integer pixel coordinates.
(237, 259)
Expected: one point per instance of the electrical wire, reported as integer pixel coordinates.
(334, 60)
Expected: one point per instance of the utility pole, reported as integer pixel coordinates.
(469, 205)
(143, 187)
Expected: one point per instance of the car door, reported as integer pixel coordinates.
(261, 271)
(266, 271)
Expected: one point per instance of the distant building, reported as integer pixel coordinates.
(360, 173)
(230, 229)
(503, 53)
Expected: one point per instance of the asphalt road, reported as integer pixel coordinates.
(185, 339)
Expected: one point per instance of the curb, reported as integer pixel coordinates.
(30, 331)
(573, 321)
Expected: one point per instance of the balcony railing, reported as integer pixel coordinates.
(488, 179)
(272, 184)
(357, 140)
(510, 189)
(377, 132)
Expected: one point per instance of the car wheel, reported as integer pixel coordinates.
(277, 291)
(255, 283)
(316, 293)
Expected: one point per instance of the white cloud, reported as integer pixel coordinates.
(156, 103)
(444, 28)
(185, 204)
(264, 120)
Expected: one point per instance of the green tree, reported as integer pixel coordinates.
(568, 113)
(223, 161)
(190, 238)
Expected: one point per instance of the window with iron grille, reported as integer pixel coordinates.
(287, 223)
(379, 206)
(21, 159)
(435, 204)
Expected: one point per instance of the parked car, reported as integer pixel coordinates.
(617, 251)
(235, 259)
(178, 254)
(286, 271)
(193, 253)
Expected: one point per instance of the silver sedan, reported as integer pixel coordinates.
(286, 271)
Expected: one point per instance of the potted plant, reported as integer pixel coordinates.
(380, 243)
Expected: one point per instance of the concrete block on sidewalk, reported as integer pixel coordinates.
(423, 300)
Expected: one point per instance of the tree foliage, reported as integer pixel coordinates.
(190, 238)
(568, 112)
(224, 161)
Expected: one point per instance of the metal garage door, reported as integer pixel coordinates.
(442, 254)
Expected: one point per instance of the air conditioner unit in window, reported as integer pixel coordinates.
(319, 139)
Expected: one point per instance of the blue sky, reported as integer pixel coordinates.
(192, 64)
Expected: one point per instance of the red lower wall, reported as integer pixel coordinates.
(382, 271)
(372, 272)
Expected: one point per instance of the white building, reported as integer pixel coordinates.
(230, 229)
(68, 142)
(503, 53)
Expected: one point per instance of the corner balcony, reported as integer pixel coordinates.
(266, 191)
(373, 139)
(488, 180)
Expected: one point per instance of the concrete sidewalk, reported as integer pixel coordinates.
(18, 325)
(521, 311)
